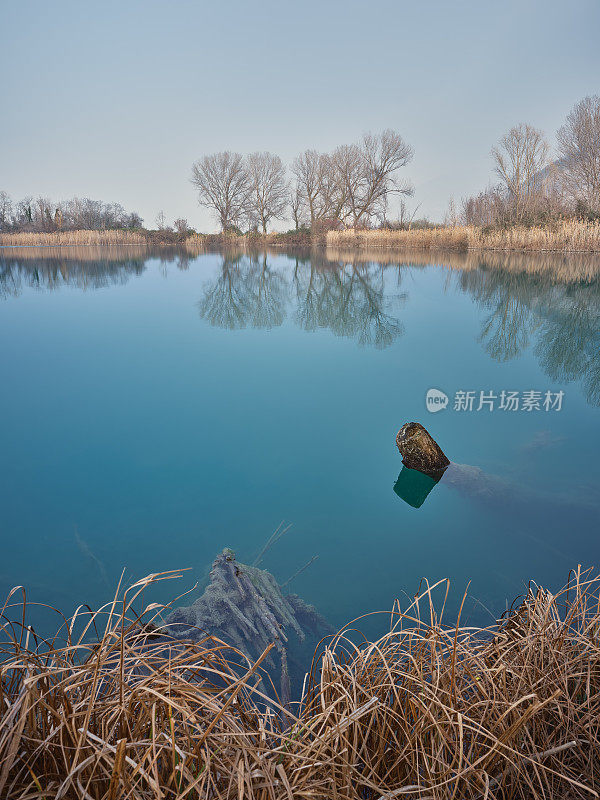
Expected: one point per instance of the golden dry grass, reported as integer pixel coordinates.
(80, 240)
(566, 236)
(71, 238)
(426, 238)
(427, 711)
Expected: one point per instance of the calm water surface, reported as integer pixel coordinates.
(157, 408)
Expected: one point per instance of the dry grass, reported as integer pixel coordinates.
(71, 238)
(419, 239)
(81, 239)
(195, 244)
(567, 236)
(427, 711)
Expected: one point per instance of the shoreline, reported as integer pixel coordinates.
(564, 237)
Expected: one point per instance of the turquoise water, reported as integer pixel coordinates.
(157, 409)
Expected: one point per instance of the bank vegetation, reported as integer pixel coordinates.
(564, 235)
(112, 708)
(92, 238)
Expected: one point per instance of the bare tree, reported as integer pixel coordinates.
(269, 190)
(310, 170)
(348, 183)
(353, 184)
(250, 221)
(486, 208)
(161, 221)
(358, 179)
(223, 185)
(77, 213)
(181, 227)
(295, 203)
(297, 208)
(43, 214)
(451, 217)
(6, 211)
(521, 159)
(382, 156)
(579, 146)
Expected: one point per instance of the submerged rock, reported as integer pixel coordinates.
(420, 451)
(474, 482)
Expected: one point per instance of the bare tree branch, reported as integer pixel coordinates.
(579, 146)
(223, 185)
(269, 189)
(521, 159)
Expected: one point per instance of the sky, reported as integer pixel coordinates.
(116, 100)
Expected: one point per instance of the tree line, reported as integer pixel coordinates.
(79, 213)
(533, 186)
(351, 186)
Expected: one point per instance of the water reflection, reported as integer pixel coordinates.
(563, 320)
(547, 303)
(246, 292)
(413, 486)
(93, 267)
(349, 300)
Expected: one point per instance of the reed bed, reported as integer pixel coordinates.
(565, 236)
(195, 244)
(457, 238)
(429, 710)
(60, 238)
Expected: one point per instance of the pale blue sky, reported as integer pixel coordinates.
(115, 100)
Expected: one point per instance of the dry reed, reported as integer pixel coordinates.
(565, 236)
(61, 238)
(427, 711)
(81, 239)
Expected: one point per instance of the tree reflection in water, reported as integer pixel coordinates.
(527, 302)
(246, 292)
(224, 302)
(350, 300)
(563, 319)
(82, 268)
(267, 294)
(568, 344)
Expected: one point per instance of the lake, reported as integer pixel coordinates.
(158, 407)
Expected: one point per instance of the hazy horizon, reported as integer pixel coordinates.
(118, 106)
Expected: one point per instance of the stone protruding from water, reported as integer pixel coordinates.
(420, 451)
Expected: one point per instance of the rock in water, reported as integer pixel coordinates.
(420, 451)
